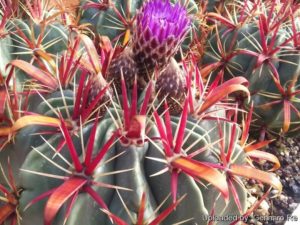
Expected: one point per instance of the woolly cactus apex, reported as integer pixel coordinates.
(160, 29)
(171, 84)
(123, 64)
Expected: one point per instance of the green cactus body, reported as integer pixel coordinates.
(135, 161)
(53, 32)
(54, 40)
(29, 137)
(6, 50)
(105, 21)
(212, 4)
(221, 209)
(267, 64)
(79, 211)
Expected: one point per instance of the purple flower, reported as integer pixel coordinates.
(164, 20)
(160, 29)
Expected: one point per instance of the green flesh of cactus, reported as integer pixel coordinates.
(53, 32)
(262, 85)
(54, 42)
(6, 49)
(197, 204)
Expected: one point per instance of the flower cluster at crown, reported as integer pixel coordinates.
(164, 19)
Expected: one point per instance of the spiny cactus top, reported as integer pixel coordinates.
(161, 28)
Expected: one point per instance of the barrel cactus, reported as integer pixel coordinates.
(35, 33)
(261, 45)
(5, 40)
(116, 19)
(78, 149)
(5, 43)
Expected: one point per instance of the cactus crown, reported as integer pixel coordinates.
(164, 20)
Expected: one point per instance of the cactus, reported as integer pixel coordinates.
(129, 69)
(260, 45)
(79, 149)
(116, 19)
(171, 84)
(6, 56)
(5, 40)
(32, 36)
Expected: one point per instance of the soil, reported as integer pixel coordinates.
(277, 210)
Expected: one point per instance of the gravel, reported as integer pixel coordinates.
(276, 211)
